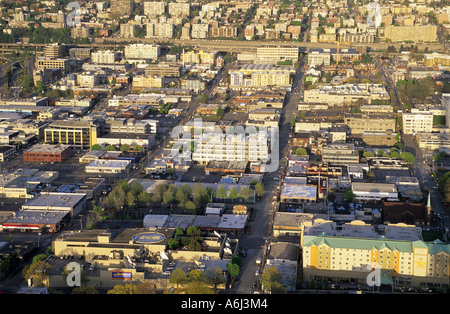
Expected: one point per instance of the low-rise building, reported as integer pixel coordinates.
(47, 153)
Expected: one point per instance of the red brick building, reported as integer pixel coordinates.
(47, 153)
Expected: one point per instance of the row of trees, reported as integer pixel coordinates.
(123, 147)
(125, 195)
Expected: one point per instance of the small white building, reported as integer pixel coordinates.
(108, 166)
(366, 192)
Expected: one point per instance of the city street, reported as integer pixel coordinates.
(261, 224)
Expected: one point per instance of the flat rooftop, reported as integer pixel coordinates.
(55, 200)
(36, 217)
(47, 148)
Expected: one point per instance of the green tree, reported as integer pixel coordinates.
(131, 199)
(214, 277)
(204, 99)
(245, 193)
(259, 189)
(178, 277)
(123, 289)
(233, 270)
(96, 147)
(271, 278)
(349, 196)
(408, 157)
(301, 151)
(85, 290)
(233, 194)
(110, 148)
(221, 192)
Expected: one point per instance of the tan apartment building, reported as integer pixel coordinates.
(416, 33)
(360, 123)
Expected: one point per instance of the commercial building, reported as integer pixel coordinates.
(360, 123)
(133, 126)
(79, 134)
(432, 141)
(233, 147)
(277, 53)
(35, 221)
(47, 153)
(141, 82)
(142, 51)
(374, 192)
(7, 152)
(72, 203)
(164, 69)
(105, 57)
(108, 166)
(387, 138)
(338, 95)
(417, 121)
(340, 154)
(47, 63)
(136, 255)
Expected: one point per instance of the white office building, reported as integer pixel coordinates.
(417, 121)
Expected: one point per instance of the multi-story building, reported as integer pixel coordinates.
(374, 192)
(400, 263)
(104, 57)
(47, 153)
(142, 51)
(416, 33)
(154, 8)
(360, 123)
(160, 30)
(223, 31)
(432, 141)
(46, 63)
(436, 60)
(233, 147)
(163, 69)
(345, 94)
(200, 30)
(275, 53)
(133, 126)
(340, 154)
(318, 58)
(78, 134)
(143, 82)
(128, 30)
(54, 51)
(121, 7)
(417, 121)
(80, 32)
(199, 57)
(179, 9)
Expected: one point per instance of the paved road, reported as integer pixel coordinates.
(423, 172)
(261, 224)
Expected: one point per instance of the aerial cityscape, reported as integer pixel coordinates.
(225, 148)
